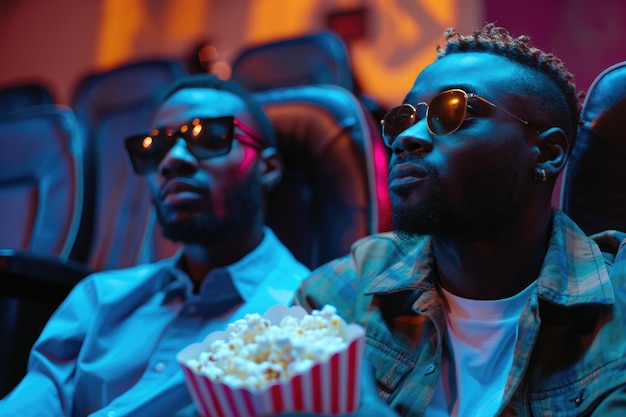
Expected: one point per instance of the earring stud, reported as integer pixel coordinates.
(542, 176)
(270, 183)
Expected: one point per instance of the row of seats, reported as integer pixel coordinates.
(72, 205)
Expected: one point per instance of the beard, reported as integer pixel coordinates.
(243, 206)
(490, 200)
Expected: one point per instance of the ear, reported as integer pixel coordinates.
(271, 168)
(553, 150)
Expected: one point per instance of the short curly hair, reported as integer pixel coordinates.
(497, 40)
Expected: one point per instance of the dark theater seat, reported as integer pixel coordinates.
(110, 106)
(308, 59)
(593, 187)
(41, 190)
(334, 189)
(20, 95)
(315, 58)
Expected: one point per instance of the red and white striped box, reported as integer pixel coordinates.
(328, 387)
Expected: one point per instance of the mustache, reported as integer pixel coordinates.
(178, 184)
(413, 160)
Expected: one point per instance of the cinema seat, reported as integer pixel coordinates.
(110, 106)
(24, 94)
(41, 190)
(334, 189)
(592, 191)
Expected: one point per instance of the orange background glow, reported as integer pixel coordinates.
(74, 37)
(401, 36)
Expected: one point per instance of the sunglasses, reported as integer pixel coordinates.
(205, 137)
(444, 114)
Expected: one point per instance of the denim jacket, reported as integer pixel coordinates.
(570, 355)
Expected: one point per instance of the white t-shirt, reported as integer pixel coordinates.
(477, 354)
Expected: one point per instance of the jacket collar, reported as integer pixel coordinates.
(573, 272)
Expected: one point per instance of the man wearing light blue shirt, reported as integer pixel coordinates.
(110, 349)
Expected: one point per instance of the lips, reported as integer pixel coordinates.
(181, 190)
(406, 175)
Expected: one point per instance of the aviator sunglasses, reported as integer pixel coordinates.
(205, 137)
(444, 114)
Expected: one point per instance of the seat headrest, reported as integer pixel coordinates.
(22, 95)
(317, 58)
(41, 180)
(605, 107)
(127, 85)
(326, 199)
(110, 106)
(593, 191)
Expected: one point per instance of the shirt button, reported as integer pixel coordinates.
(160, 367)
(579, 398)
(429, 369)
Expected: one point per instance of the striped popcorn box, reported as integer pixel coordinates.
(284, 361)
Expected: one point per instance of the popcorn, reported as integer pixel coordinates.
(258, 353)
(286, 360)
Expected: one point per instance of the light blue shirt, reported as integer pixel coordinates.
(110, 348)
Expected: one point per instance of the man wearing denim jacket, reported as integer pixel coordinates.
(485, 300)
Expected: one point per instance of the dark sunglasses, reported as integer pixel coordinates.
(444, 114)
(205, 137)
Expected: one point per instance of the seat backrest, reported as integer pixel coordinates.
(316, 58)
(334, 188)
(18, 96)
(41, 180)
(41, 191)
(593, 192)
(110, 106)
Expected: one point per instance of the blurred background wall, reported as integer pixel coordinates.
(588, 35)
(57, 41)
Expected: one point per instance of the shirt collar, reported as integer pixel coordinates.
(573, 271)
(414, 271)
(243, 276)
(247, 273)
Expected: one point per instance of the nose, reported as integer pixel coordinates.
(415, 139)
(178, 160)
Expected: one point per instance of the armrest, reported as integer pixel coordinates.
(31, 288)
(37, 277)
